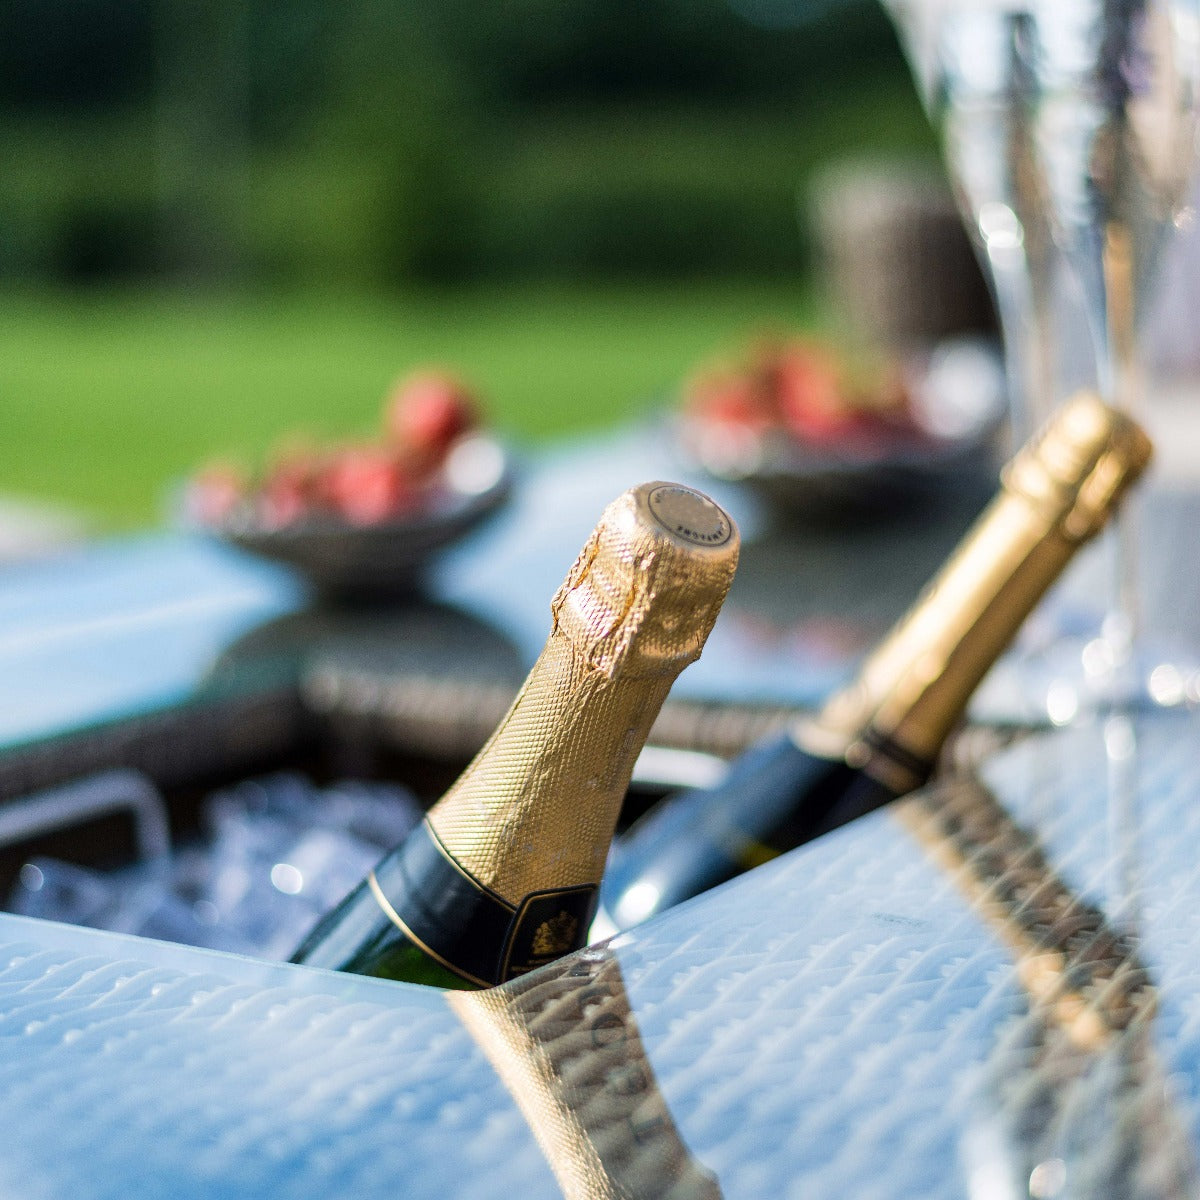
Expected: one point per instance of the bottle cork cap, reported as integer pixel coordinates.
(1080, 464)
(646, 589)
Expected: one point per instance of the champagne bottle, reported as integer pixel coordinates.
(878, 737)
(502, 874)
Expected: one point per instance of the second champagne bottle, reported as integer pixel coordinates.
(878, 738)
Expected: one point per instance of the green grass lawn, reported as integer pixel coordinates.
(104, 399)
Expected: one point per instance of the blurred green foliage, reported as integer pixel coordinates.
(366, 143)
(108, 396)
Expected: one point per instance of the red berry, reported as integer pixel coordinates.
(729, 398)
(281, 504)
(290, 488)
(810, 393)
(366, 484)
(428, 411)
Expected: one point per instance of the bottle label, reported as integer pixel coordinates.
(547, 926)
(468, 928)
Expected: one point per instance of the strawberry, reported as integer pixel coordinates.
(810, 394)
(289, 488)
(366, 484)
(426, 412)
(729, 398)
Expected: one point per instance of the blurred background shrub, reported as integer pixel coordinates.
(369, 143)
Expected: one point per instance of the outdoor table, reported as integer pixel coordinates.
(991, 983)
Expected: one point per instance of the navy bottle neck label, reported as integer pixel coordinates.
(468, 928)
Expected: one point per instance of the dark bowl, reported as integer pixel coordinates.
(344, 560)
(951, 439)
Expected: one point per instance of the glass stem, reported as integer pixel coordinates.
(1021, 307)
(1124, 377)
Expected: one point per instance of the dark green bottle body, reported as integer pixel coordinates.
(421, 916)
(775, 797)
(359, 936)
(877, 737)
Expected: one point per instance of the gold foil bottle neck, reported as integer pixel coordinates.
(1058, 491)
(537, 808)
(647, 587)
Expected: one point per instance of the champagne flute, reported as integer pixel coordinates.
(970, 63)
(1070, 130)
(1115, 131)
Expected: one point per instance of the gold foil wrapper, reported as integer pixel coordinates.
(566, 1045)
(1076, 470)
(1058, 492)
(537, 808)
(646, 589)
